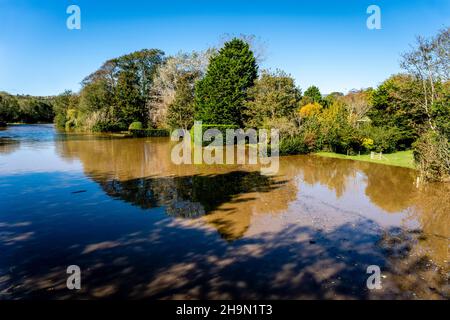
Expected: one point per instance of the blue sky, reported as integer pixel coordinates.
(320, 42)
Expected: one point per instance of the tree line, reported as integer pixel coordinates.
(25, 109)
(146, 89)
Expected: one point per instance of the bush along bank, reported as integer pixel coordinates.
(150, 132)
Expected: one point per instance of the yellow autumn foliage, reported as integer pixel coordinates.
(310, 109)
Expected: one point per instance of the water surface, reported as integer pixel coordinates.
(140, 226)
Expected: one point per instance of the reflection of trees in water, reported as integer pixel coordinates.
(433, 201)
(162, 259)
(182, 194)
(221, 196)
(335, 175)
(228, 200)
(140, 171)
(390, 188)
(432, 210)
(8, 145)
(121, 158)
(393, 190)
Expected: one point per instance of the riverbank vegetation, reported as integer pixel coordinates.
(25, 109)
(151, 93)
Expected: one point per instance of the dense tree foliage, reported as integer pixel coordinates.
(180, 113)
(62, 104)
(428, 65)
(26, 109)
(310, 110)
(221, 94)
(116, 94)
(394, 104)
(274, 95)
(440, 110)
(311, 95)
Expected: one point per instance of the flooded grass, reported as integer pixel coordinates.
(400, 158)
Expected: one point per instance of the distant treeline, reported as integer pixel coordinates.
(25, 108)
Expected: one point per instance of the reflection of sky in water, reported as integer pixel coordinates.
(31, 148)
(42, 158)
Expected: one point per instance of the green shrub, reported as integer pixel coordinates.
(221, 127)
(70, 124)
(347, 141)
(60, 120)
(293, 145)
(107, 126)
(432, 155)
(385, 139)
(136, 125)
(367, 143)
(441, 114)
(103, 120)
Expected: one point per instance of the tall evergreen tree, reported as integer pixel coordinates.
(220, 95)
(311, 95)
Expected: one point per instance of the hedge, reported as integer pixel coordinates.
(150, 132)
(136, 125)
(221, 127)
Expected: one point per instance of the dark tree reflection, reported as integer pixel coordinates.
(188, 196)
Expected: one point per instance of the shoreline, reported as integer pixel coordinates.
(402, 159)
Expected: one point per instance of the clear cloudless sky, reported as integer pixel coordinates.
(320, 42)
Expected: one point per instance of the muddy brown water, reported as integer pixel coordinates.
(139, 226)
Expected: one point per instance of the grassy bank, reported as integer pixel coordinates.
(401, 158)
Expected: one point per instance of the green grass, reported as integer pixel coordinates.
(401, 158)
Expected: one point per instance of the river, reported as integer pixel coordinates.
(140, 226)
